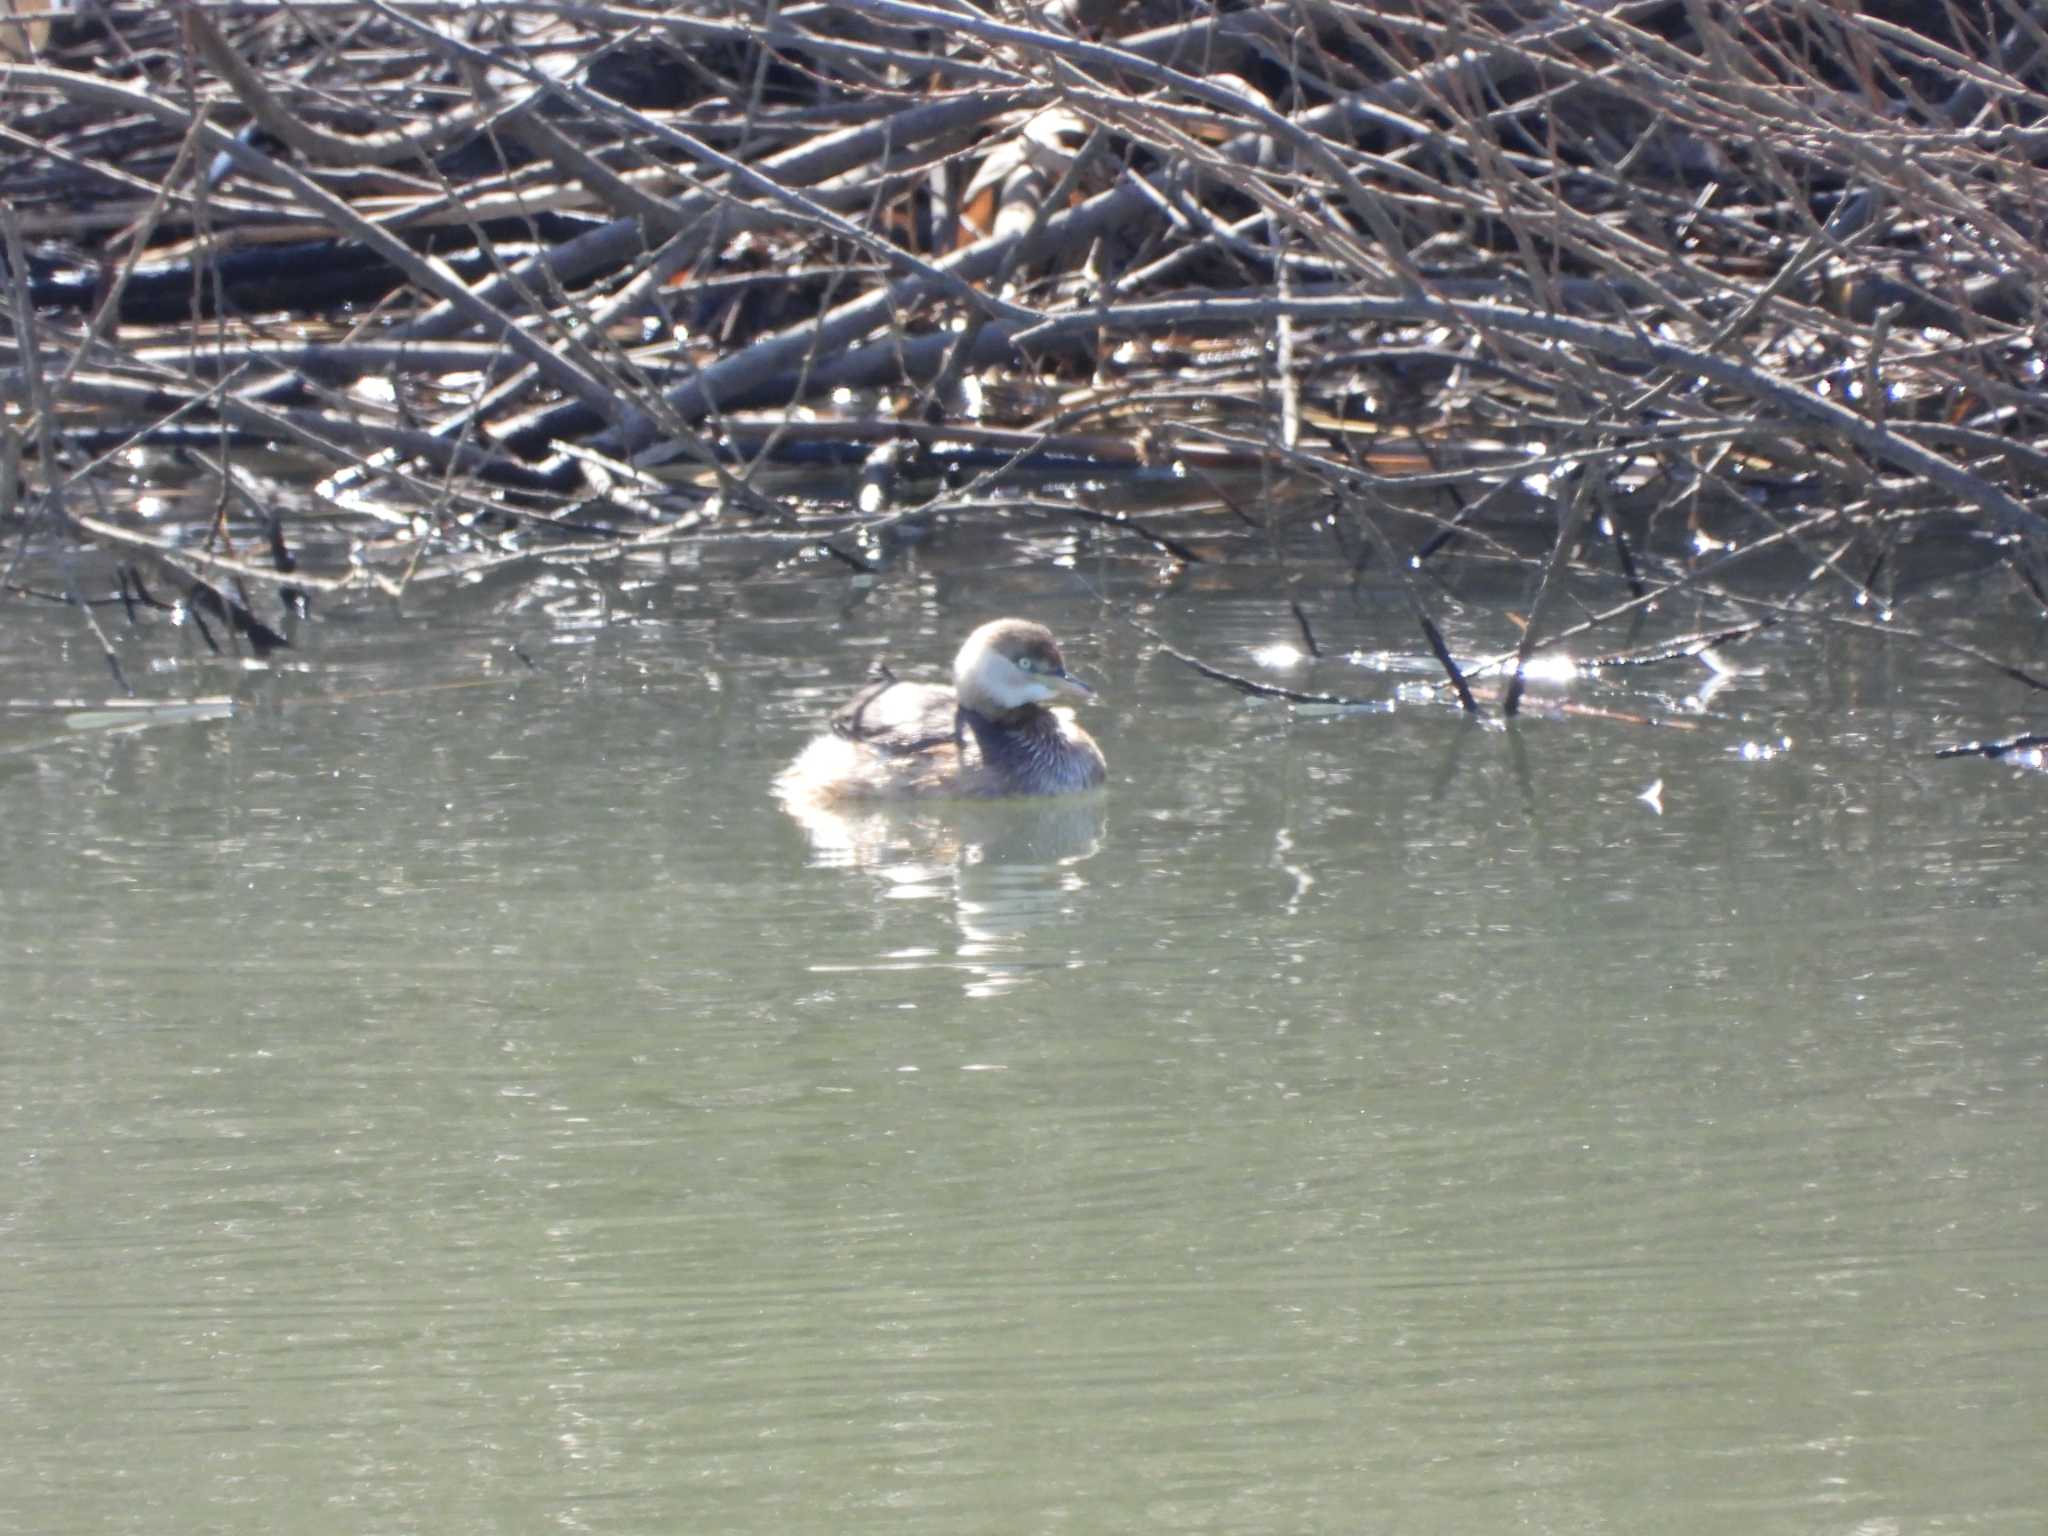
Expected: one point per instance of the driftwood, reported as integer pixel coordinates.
(1679, 287)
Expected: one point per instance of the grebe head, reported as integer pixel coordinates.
(1009, 664)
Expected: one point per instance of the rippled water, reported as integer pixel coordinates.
(452, 1094)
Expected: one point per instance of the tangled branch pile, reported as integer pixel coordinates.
(546, 279)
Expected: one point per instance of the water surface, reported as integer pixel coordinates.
(452, 1094)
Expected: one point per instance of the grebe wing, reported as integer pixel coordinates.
(899, 718)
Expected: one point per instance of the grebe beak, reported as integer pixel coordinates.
(1068, 683)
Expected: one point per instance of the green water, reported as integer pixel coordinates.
(452, 1095)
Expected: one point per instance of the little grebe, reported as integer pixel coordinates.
(989, 734)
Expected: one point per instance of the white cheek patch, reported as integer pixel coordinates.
(1012, 687)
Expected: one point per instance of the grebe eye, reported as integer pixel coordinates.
(1026, 664)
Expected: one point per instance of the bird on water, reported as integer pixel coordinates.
(992, 733)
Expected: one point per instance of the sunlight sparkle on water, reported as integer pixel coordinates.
(1551, 667)
(1279, 656)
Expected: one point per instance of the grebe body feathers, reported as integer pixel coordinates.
(991, 733)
